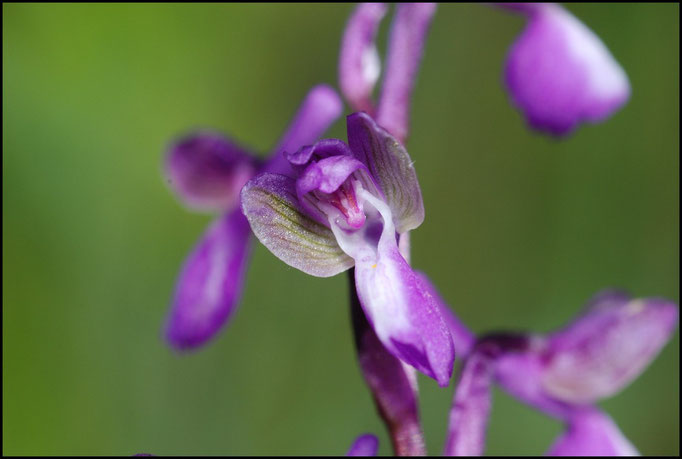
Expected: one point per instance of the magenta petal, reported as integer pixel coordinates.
(207, 171)
(463, 338)
(397, 303)
(282, 225)
(607, 347)
(365, 445)
(210, 283)
(359, 65)
(559, 73)
(406, 43)
(404, 315)
(321, 107)
(592, 433)
(470, 408)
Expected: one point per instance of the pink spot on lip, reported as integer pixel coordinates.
(345, 200)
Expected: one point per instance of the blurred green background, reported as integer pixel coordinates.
(520, 231)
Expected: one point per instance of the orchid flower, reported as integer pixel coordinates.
(559, 73)
(346, 208)
(564, 373)
(207, 171)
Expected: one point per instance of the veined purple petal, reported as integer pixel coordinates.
(470, 408)
(390, 165)
(359, 64)
(592, 433)
(463, 338)
(559, 73)
(607, 347)
(393, 385)
(207, 171)
(277, 219)
(210, 283)
(321, 107)
(399, 306)
(408, 34)
(365, 445)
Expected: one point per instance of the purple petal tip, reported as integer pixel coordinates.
(560, 74)
(365, 445)
(210, 283)
(207, 171)
(607, 347)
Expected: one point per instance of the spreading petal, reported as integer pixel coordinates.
(408, 34)
(607, 347)
(207, 171)
(365, 445)
(592, 433)
(359, 64)
(321, 107)
(390, 165)
(277, 219)
(210, 283)
(399, 306)
(470, 408)
(559, 73)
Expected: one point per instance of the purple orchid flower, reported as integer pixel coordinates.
(563, 374)
(559, 73)
(346, 208)
(207, 171)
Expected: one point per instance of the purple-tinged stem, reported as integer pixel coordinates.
(392, 383)
(471, 404)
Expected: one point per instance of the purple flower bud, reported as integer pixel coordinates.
(559, 73)
(208, 171)
(210, 283)
(406, 44)
(592, 433)
(359, 64)
(365, 445)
